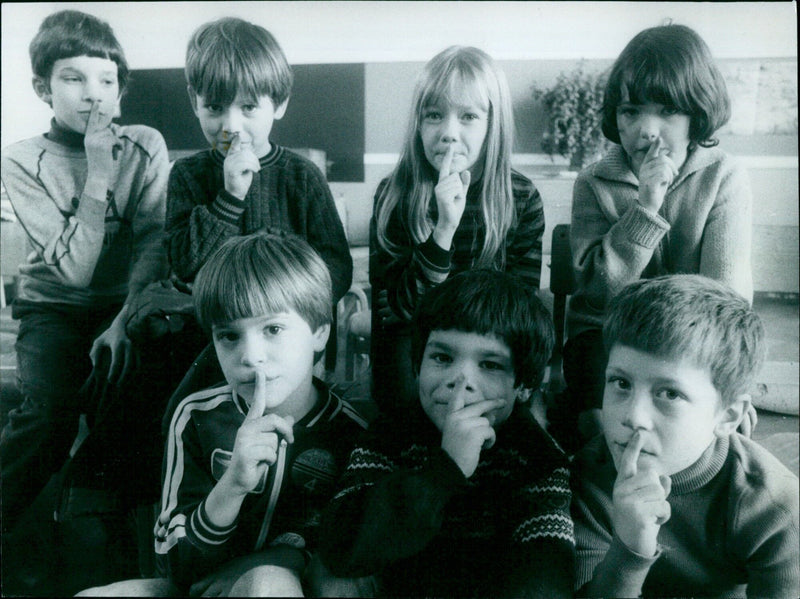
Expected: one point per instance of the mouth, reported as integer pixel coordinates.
(623, 446)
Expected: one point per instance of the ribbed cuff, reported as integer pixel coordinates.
(644, 227)
(227, 207)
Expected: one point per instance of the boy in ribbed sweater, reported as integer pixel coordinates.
(239, 84)
(670, 501)
(463, 494)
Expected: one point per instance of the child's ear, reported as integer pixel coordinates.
(42, 89)
(321, 337)
(733, 415)
(522, 395)
(280, 110)
(192, 98)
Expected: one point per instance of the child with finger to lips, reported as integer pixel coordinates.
(462, 494)
(251, 462)
(670, 500)
(452, 203)
(664, 199)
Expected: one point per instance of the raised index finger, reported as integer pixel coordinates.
(93, 122)
(259, 398)
(447, 162)
(628, 462)
(654, 149)
(458, 400)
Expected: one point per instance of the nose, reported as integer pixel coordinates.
(449, 129)
(649, 128)
(253, 350)
(461, 381)
(232, 121)
(91, 90)
(638, 411)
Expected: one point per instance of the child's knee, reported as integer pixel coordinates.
(145, 587)
(268, 581)
(321, 583)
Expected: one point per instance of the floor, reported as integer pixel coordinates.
(95, 552)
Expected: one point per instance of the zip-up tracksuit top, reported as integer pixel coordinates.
(284, 509)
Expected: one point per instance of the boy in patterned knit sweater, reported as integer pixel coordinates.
(90, 196)
(671, 501)
(239, 83)
(464, 494)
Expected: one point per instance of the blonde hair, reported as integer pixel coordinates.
(410, 188)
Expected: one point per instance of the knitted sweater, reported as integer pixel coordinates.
(289, 193)
(88, 251)
(284, 509)
(406, 512)
(420, 267)
(733, 529)
(703, 226)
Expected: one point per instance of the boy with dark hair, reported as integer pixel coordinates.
(90, 196)
(465, 494)
(239, 84)
(250, 464)
(670, 500)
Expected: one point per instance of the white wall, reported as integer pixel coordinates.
(154, 34)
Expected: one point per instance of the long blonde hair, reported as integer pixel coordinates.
(410, 186)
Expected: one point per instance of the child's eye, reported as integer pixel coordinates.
(249, 108)
(619, 383)
(470, 116)
(627, 111)
(70, 78)
(109, 82)
(273, 329)
(440, 358)
(669, 394)
(432, 116)
(226, 336)
(670, 110)
(492, 365)
(214, 108)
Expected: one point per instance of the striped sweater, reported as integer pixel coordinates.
(420, 267)
(289, 193)
(284, 509)
(406, 513)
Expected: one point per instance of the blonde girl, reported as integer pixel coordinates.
(452, 203)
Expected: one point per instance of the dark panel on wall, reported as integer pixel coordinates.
(326, 112)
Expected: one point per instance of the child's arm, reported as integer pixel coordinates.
(148, 258)
(607, 255)
(639, 509)
(258, 441)
(725, 254)
(67, 233)
(524, 248)
(542, 552)
(325, 232)
(385, 510)
(199, 515)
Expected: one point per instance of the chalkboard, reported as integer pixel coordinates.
(325, 112)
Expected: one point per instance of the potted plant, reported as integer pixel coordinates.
(574, 114)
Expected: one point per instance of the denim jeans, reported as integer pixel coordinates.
(53, 362)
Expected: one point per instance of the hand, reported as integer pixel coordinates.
(655, 175)
(239, 166)
(451, 198)
(640, 501)
(467, 431)
(101, 145)
(123, 354)
(748, 423)
(257, 441)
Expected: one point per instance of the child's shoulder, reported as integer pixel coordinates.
(147, 139)
(335, 410)
(756, 469)
(291, 161)
(204, 401)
